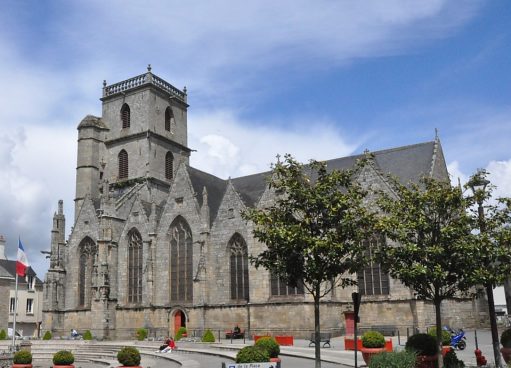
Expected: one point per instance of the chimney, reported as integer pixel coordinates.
(2, 247)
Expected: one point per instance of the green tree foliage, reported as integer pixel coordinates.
(129, 356)
(373, 339)
(314, 229)
(141, 334)
(208, 336)
(494, 236)
(252, 354)
(87, 335)
(22, 357)
(180, 332)
(402, 359)
(47, 335)
(269, 344)
(3, 335)
(435, 254)
(63, 357)
(446, 336)
(422, 344)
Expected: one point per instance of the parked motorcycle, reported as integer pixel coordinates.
(458, 338)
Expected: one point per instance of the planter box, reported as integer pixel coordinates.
(257, 337)
(285, 340)
(349, 344)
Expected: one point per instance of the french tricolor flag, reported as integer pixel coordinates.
(22, 261)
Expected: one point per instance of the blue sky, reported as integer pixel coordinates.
(315, 79)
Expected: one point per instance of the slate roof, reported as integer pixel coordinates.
(8, 268)
(215, 187)
(407, 163)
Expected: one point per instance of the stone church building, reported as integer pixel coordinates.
(159, 244)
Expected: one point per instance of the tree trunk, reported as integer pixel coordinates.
(317, 340)
(439, 332)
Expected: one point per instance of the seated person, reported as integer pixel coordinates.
(171, 346)
(74, 333)
(165, 344)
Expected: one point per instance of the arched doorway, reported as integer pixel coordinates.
(178, 320)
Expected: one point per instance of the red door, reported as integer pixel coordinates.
(349, 319)
(177, 321)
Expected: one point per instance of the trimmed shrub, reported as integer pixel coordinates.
(402, 359)
(269, 344)
(373, 339)
(505, 338)
(22, 357)
(141, 334)
(446, 336)
(208, 336)
(252, 354)
(3, 335)
(452, 361)
(63, 357)
(87, 335)
(47, 335)
(129, 356)
(179, 333)
(422, 344)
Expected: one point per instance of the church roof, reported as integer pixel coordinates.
(214, 186)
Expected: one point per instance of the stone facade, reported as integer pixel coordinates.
(161, 244)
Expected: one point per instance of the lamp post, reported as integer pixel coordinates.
(478, 186)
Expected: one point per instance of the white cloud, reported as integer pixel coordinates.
(227, 145)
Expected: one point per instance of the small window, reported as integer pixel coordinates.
(30, 306)
(123, 165)
(169, 166)
(30, 282)
(169, 120)
(125, 116)
(12, 305)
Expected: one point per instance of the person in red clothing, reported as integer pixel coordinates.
(172, 346)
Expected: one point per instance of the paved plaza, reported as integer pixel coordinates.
(198, 355)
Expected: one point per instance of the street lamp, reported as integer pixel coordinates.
(477, 184)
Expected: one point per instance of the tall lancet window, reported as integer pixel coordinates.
(125, 116)
(239, 268)
(123, 164)
(373, 280)
(87, 251)
(181, 261)
(169, 120)
(169, 166)
(134, 266)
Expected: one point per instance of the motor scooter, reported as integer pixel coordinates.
(458, 339)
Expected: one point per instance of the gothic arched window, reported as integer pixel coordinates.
(125, 116)
(373, 280)
(169, 166)
(123, 164)
(169, 120)
(134, 266)
(181, 261)
(87, 251)
(239, 268)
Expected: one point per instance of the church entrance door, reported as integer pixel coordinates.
(179, 320)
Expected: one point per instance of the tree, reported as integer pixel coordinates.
(435, 253)
(493, 220)
(314, 230)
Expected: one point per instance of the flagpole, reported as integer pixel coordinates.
(15, 313)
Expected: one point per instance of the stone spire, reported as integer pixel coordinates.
(2, 247)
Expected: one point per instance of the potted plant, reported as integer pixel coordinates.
(425, 347)
(505, 340)
(181, 332)
(252, 354)
(208, 336)
(373, 343)
(129, 356)
(63, 359)
(141, 334)
(446, 340)
(271, 345)
(22, 359)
